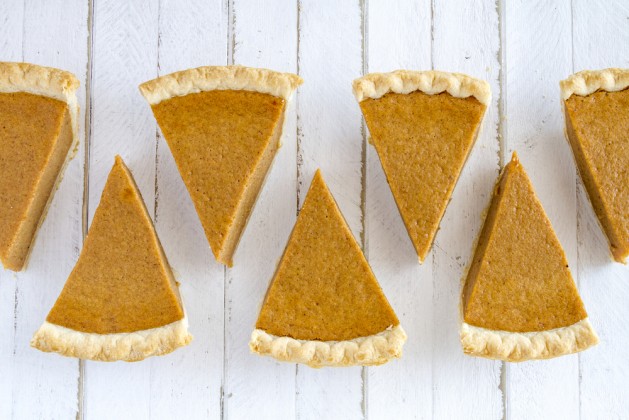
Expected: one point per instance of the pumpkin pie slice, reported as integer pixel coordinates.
(596, 108)
(38, 135)
(324, 306)
(223, 126)
(121, 301)
(519, 300)
(423, 125)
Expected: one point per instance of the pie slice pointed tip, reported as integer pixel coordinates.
(38, 137)
(121, 301)
(519, 300)
(423, 125)
(223, 125)
(324, 306)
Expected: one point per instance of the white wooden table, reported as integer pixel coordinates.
(522, 48)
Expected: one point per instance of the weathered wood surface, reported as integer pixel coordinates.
(522, 48)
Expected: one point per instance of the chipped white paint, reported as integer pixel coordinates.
(329, 44)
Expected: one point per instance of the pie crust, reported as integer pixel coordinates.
(43, 81)
(376, 85)
(522, 346)
(129, 347)
(203, 79)
(587, 82)
(52, 83)
(365, 351)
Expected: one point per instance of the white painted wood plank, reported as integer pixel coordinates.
(467, 40)
(604, 285)
(329, 124)
(400, 389)
(45, 385)
(11, 30)
(124, 55)
(471, 48)
(265, 35)
(538, 51)
(189, 384)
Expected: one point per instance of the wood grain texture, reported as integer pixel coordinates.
(329, 127)
(43, 385)
(265, 35)
(190, 383)
(329, 44)
(124, 55)
(600, 39)
(538, 53)
(466, 39)
(11, 31)
(403, 388)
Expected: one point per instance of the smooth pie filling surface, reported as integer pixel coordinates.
(122, 282)
(598, 130)
(323, 288)
(223, 142)
(35, 137)
(423, 141)
(519, 280)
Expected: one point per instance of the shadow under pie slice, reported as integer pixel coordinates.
(121, 301)
(423, 125)
(38, 135)
(596, 109)
(519, 300)
(223, 126)
(324, 306)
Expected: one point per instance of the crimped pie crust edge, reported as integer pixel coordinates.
(365, 351)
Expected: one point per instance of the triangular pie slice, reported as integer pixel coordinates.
(423, 125)
(223, 126)
(324, 306)
(596, 108)
(38, 135)
(121, 301)
(519, 300)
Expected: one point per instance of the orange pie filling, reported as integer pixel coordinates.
(423, 141)
(121, 301)
(324, 306)
(597, 126)
(519, 300)
(35, 138)
(223, 142)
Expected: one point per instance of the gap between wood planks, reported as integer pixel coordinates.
(230, 50)
(579, 207)
(80, 414)
(502, 135)
(364, 28)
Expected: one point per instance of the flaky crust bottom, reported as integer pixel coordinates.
(364, 351)
(129, 347)
(519, 347)
(431, 82)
